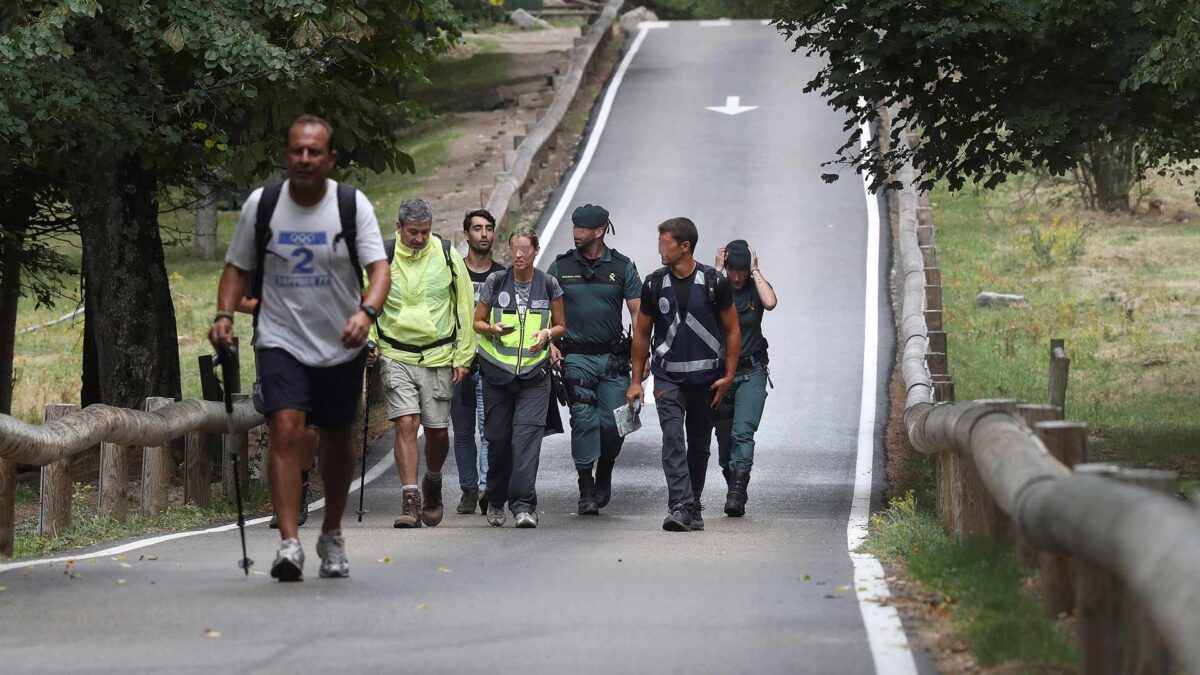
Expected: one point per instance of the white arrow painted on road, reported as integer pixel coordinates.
(733, 106)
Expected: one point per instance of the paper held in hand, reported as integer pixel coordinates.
(628, 421)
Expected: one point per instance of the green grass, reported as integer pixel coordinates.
(454, 82)
(1126, 306)
(87, 529)
(980, 584)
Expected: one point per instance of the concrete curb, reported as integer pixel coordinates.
(522, 164)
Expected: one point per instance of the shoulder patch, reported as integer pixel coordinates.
(618, 255)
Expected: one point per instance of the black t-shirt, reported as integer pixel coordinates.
(683, 287)
(477, 278)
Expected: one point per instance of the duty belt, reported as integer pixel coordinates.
(757, 359)
(588, 348)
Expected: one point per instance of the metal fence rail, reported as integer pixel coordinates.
(996, 478)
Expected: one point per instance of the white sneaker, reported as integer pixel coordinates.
(289, 561)
(331, 547)
(526, 519)
(495, 516)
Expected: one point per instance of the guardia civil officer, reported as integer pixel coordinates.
(594, 355)
(741, 410)
(696, 342)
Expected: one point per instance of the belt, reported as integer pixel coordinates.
(587, 348)
(758, 359)
(416, 349)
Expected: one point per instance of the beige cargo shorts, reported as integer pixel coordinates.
(417, 390)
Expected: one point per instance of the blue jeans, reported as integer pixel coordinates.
(466, 414)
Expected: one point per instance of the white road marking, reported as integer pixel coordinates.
(594, 140)
(733, 106)
(716, 23)
(654, 24)
(885, 632)
(767, 22)
(376, 470)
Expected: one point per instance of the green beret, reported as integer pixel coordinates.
(589, 215)
(737, 255)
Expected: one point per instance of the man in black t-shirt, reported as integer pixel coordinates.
(466, 411)
(696, 341)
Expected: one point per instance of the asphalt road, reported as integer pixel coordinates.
(771, 592)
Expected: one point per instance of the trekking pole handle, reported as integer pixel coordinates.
(227, 356)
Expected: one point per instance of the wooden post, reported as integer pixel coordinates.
(933, 319)
(933, 297)
(937, 341)
(925, 235)
(197, 470)
(943, 389)
(1066, 442)
(929, 257)
(8, 506)
(980, 516)
(1060, 368)
(239, 443)
(114, 480)
(56, 482)
(1030, 413)
(156, 469)
(936, 363)
(1115, 632)
(933, 276)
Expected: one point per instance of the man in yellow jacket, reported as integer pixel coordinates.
(426, 343)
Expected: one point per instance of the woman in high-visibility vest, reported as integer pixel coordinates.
(520, 310)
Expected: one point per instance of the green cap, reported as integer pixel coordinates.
(589, 215)
(737, 255)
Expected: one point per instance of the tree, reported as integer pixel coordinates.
(1001, 86)
(133, 102)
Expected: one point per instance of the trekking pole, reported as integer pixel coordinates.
(362, 486)
(227, 355)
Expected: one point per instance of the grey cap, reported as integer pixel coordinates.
(415, 210)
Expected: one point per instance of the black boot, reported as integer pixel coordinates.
(604, 471)
(587, 494)
(728, 477)
(735, 503)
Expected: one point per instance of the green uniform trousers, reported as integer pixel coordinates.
(596, 392)
(738, 416)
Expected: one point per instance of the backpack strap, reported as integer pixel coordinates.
(347, 201)
(710, 291)
(389, 247)
(267, 201)
(453, 284)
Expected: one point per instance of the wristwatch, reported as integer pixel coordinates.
(370, 311)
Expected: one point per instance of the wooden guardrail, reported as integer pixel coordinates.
(116, 433)
(1111, 543)
(523, 163)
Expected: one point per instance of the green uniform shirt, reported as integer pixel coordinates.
(594, 306)
(750, 315)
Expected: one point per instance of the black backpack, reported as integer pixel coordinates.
(347, 213)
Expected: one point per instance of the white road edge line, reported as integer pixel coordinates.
(885, 633)
(376, 470)
(715, 23)
(594, 140)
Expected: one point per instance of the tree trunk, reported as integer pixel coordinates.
(206, 225)
(1107, 174)
(11, 247)
(130, 319)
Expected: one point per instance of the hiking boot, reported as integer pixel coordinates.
(697, 518)
(587, 494)
(331, 548)
(470, 499)
(302, 515)
(679, 519)
(431, 507)
(604, 471)
(410, 510)
(495, 515)
(735, 502)
(526, 519)
(289, 561)
(728, 477)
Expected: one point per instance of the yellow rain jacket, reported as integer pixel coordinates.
(418, 311)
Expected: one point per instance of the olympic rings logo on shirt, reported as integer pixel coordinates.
(302, 238)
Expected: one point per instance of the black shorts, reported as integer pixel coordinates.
(330, 396)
